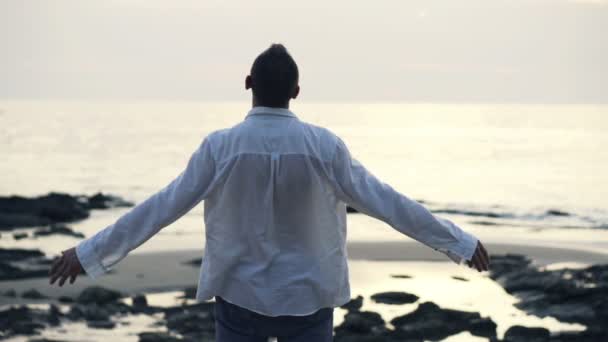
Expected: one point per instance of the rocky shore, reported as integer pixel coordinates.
(17, 263)
(21, 212)
(569, 295)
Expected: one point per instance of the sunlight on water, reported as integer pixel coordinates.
(432, 281)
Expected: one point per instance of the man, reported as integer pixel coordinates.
(275, 190)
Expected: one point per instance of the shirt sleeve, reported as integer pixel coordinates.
(98, 253)
(359, 188)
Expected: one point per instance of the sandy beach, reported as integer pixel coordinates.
(167, 271)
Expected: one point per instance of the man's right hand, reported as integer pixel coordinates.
(480, 259)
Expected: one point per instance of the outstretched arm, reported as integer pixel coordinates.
(98, 253)
(359, 188)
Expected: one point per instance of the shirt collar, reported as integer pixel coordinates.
(261, 110)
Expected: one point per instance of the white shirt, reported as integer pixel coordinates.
(275, 191)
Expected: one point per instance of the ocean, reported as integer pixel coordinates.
(503, 171)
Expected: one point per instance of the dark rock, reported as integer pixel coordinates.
(351, 210)
(208, 307)
(401, 276)
(27, 328)
(19, 254)
(393, 297)
(189, 293)
(22, 320)
(10, 293)
(94, 312)
(566, 312)
(569, 295)
(54, 314)
(57, 229)
(33, 294)
(504, 264)
(140, 301)
(196, 262)
(520, 333)
(22, 263)
(431, 322)
(65, 299)
(353, 304)
(98, 295)
(18, 211)
(482, 327)
(101, 324)
(44, 339)
(485, 223)
(119, 308)
(472, 213)
(101, 201)
(589, 334)
(157, 337)
(10, 272)
(190, 322)
(556, 212)
(363, 338)
(19, 236)
(98, 314)
(460, 278)
(361, 322)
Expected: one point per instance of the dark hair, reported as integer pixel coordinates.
(274, 76)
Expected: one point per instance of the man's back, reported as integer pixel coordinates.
(276, 216)
(275, 230)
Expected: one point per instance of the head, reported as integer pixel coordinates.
(273, 78)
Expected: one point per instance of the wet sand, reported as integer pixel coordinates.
(165, 271)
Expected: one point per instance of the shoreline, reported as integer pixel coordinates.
(149, 272)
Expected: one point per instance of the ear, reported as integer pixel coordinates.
(296, 92)
(248, 82)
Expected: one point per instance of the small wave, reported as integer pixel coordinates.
(497, 215)
(551, 217)
(473, 213)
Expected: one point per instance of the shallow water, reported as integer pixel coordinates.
(431, 281)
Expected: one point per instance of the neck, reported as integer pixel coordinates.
(255, 103)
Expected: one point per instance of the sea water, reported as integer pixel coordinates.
(510, 169)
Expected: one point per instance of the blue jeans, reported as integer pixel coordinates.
(236, 324)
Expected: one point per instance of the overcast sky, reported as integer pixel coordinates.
(540, 51)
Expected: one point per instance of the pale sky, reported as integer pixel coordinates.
(535, 51)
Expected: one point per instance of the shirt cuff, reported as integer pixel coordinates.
(89, 261)
(464, 250)
(468, 245)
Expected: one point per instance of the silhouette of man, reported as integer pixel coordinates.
(275, 190)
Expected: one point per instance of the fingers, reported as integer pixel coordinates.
(57, 269)
(63, 270)
(476, 261)
(482, 258)
(56, 263)
(485, 254)
(64, 277)
(59, 272)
